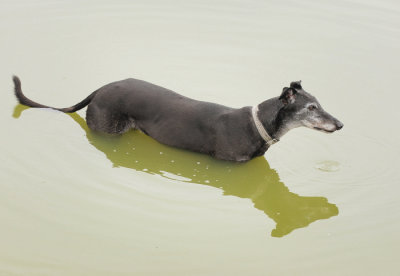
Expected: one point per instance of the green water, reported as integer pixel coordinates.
(254, 180)
(73, 202)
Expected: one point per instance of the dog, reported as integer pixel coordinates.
(233, 134)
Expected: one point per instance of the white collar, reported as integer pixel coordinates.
(261, 130)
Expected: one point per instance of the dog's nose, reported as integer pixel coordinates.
(339, 125)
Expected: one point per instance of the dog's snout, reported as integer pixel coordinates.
(339, 125)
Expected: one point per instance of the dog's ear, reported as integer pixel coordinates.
(296, 84)
(288, 95)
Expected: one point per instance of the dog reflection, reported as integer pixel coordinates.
(254, 180)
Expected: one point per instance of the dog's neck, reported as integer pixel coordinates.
(268, 114)
(260, 127)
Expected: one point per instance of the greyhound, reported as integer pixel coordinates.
(233, 134)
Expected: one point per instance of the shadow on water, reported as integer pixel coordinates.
(254, 180)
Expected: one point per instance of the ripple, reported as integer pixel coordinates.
(350, 159)
(328, 166)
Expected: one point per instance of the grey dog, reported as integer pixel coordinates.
(223, 132)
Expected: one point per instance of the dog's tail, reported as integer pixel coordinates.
(28, 102)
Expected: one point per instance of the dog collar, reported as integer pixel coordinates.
(261, 130)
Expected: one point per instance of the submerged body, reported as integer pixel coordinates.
(172, 119)
(175, 120)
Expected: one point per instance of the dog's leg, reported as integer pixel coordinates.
(102, 120)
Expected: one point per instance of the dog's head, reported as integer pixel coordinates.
(302, 109)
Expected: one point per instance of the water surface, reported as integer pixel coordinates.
(73, 202)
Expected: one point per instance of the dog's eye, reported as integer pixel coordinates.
(312, 107)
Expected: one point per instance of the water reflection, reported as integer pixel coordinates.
(254, 180)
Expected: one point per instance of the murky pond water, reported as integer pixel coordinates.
(76, 203)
